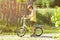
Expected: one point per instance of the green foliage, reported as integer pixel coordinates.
(56, 17)
(38, 2)
(8, 28)
(44, 15)
(44, 2)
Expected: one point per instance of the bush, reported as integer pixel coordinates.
(56, 17)
(9, 28)
(44, 15)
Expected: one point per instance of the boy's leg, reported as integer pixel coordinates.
(32, 28)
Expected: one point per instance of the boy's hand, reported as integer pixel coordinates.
(27, 17)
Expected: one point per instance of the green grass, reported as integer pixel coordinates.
(52, 30)
(7, 33)
(44, 31)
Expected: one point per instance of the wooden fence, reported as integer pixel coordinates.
(10, 10)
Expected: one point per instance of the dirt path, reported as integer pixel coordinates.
(27, 37)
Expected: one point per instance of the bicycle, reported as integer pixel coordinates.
(24, 29)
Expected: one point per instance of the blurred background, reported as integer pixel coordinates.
(47, 12)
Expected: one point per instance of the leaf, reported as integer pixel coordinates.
(56, 17)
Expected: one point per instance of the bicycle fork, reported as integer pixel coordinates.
(24, 25)
(23, 21)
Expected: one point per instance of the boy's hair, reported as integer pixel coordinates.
(30, 6)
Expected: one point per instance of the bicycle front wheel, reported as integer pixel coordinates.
(38, 31)
(21, 32)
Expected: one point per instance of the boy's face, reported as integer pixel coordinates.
(30, 9)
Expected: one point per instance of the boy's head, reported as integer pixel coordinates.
(30, 7)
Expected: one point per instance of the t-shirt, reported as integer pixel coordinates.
(33, 14)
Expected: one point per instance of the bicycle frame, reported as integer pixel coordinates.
(24, 24)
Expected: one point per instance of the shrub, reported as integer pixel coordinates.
(56, 17)
(44, 15)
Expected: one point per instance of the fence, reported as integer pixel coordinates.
(10, 10)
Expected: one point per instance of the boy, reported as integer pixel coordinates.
(31, 17)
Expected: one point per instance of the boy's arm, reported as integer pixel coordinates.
(29, 16)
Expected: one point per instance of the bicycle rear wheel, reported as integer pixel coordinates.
(21, 32)
(38, 31)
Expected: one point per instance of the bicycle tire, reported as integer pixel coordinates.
(41, 30)
(21, 30)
